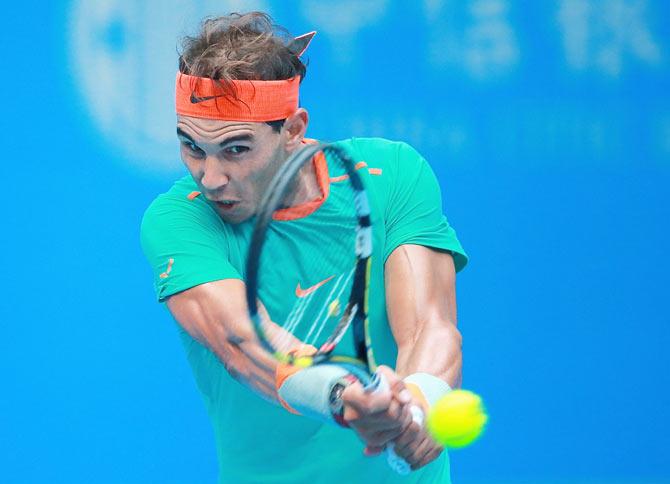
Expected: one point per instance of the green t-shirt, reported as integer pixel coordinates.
(188, 244)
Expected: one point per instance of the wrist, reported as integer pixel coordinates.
(427, 389)
(314, 392)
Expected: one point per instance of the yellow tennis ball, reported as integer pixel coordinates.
(457, 419)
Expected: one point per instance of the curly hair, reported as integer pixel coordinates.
(241, 47)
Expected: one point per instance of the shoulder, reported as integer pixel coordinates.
(182, 196)
(381, 149)
(182, 202)
(390, 164)
(392, 158)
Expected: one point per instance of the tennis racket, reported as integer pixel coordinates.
(330, 300)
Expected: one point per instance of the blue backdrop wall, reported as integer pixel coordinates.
(548, 124)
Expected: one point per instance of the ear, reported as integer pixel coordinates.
(295, 128)
(299, 45)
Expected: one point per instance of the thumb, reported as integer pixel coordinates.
(395, 384)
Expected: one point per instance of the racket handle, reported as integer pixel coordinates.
(378, 384)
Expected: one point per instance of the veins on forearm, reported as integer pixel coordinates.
(435, 349)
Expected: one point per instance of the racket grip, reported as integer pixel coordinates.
(395, 462)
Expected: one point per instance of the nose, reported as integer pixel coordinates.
(214, 175)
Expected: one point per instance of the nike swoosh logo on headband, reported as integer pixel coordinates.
(306, 292)
(195, 99)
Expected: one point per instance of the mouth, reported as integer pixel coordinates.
(226, 204)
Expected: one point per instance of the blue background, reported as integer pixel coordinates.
(551, 140)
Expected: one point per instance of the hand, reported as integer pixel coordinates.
(378, 418)
(417, 446)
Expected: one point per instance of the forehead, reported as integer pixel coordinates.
(214, 129)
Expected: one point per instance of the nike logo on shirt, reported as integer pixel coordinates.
(306, 292)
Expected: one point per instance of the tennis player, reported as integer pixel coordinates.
(233, 136)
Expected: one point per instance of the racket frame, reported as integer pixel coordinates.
(355, 313)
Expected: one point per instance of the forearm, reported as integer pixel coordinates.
(227, 332)
(244, 363)
(435, 349)
(421, 305)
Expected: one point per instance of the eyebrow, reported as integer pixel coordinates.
(232, 139)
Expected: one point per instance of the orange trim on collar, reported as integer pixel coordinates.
(255, 101)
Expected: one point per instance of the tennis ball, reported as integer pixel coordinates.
(457, 419)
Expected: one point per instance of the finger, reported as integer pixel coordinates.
(382, 438)
(372, 450)
(433, 454)
(407, 438)
(399, 389)
(412, 446)
(391, 377)
(396, 418)
(420, 452)
(366, 403)
(379, 430)
(394, 411)
(374, 434)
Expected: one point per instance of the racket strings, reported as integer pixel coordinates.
(285, 339)
(329, 301)
(319, 319)
(329, 313)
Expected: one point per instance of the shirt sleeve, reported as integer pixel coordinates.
(414, 210)
(185, 244)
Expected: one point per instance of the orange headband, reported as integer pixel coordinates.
(256, 101)
(201, 97)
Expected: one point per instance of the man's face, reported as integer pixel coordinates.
(231, 161)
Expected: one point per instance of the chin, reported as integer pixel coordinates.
(234, 217)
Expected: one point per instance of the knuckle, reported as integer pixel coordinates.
(354, 419)
(376, 440)
(398, 386)
(370, 406)
(402, 442)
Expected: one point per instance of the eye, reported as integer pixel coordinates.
(237, 150)
(190, 146)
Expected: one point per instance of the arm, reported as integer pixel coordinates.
(421, 306)
(215, 314)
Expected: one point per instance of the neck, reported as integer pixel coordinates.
(306, 187)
